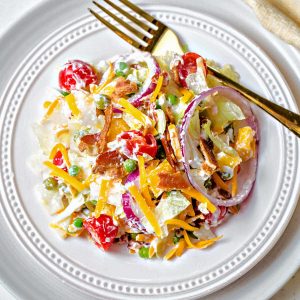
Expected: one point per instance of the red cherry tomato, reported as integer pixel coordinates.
(138, 144)
(58, 160)
(102, 230)
(189, 66)
(77, 74)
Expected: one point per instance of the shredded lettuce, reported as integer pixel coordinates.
(170, 207)
(194, 128)
(161, 121)
(224, 112)
(218, 142)
(75, 204)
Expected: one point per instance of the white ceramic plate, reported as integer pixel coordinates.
(248, 237)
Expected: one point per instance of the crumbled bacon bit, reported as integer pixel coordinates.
(101, 143)
(168, 111)
(169, 152)
(123, 88)
(110, 163)
(165, 78)
(210, 159)
(174, 181)
(175, 75)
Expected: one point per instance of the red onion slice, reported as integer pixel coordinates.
(132, 219)
(246, 176)
(154, 71)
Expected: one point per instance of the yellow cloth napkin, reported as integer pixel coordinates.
(282, 17)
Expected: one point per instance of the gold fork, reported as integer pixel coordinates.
(158, 38)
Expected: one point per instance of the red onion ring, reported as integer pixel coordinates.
(247, 174)
(132, 219)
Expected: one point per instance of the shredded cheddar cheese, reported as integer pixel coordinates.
(157, 89)
(70, 99)
(201, 198)
(145, 209)
(60, 147)
(187, 95)
(103, 193)
(170, 254)
(182, 224)
(143, 181)
(51, 108)
(181, 247)
(133, 111)
(109, 78)
(217, 179)
(56, 171)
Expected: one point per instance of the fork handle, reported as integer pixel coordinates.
(286, 117)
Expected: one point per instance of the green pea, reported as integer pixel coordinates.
(129, 165)
(78, 222)
(74, 170)
(50, 184)
(102, 102)
(172, 99)
(123, 66)
(119, 73)
(144, 252)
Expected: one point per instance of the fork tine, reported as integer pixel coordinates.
(141, 12)
(122, 35)
(120, 21)
(128, 16)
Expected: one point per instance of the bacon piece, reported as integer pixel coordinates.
(175, 75)
(110, 163)
(90, 139)
(101, 143)
(123, 88)
(169, 113)
(210, 159)
(169, 152)
(174, 181)
(166, 78)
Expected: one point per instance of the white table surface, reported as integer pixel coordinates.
(12, 10)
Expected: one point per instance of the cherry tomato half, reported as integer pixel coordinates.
(77, 74)
(58, 160)
(102, 230)
(138, 144)
(189, 66)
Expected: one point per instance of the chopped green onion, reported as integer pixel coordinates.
(176, 239)
(94, 202)
(144, 252)
(78, 222)
(50, 184)
(157, 105)
(64, 93)
(160, 154)
(172, 99)
(74, 170)
(208, 184)
(191, 235)
(130, 165)
(226, 176)
(102, 102)
(133, 235)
